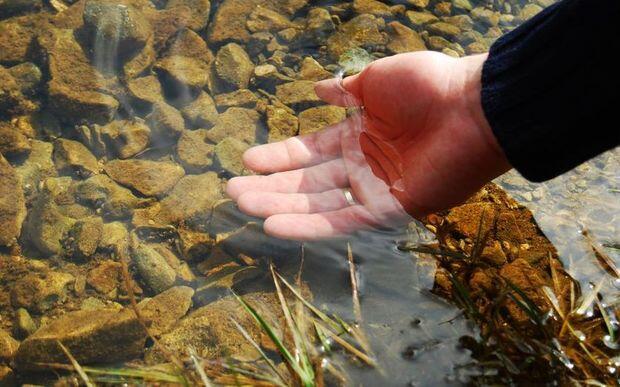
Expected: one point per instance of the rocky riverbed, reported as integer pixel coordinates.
(120, 122)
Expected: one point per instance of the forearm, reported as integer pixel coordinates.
(550, 87)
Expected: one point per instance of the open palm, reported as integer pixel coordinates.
(421, 144)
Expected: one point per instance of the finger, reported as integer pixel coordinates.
(319, 178)
(306, 227)
(266, 204)
(296, 152)
(345, 92)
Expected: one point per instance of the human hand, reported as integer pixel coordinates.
(422, 144)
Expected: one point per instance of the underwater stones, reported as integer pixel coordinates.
(372, 7)
(419, 19)
(529, 280)
(191, 201)
(24, 324)
(445, 30)
(115, 26)
(319, 25)
(14, 7)
(74, 158)
(12, 101)
(83, 238)
(297, 94)
(145, 91)
(15, 38)
(140, 63)
(183, 71)
(462, 5)
(315, 119)
(166, 123)
(485, 16)
(101, 192)
(199, 12)
(8, 346)
(27, 76)
(114, 237)
(229, 22)
(91, 336)
(403, 39)
(126, 138)
(201, 112)
(362, 31)
(12, 204)
(105, 277)
(233, 67)
(153, 269)
(74, 87)
(45, 226)
(39, 292)
(463, 22)
(239, 98)
(467, 217)
(12, 142)
(267, 76)
(528, 12)
(239, 123)
(188, 43)
(166, 308)
(193, 151)
(229, 152)
(265, 19)
(494, 254)
(281, 123)
(211, 332)
(311, 70)
(150, 178)
(7, 376)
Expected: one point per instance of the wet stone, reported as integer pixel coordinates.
(83, 238)
(8, 346)
(101, 192)
(311, 70)
(152, 268)
(528, 12)
(193, 151)
(28, 77)
(420, 4)
(183, 71)
(117, 25)
(12, 142)
(298, 94)
(281, 123)
(199, 12)
(16, 35)
(267, 76)
(239, 123)
(372, 7)
(15, 7)
(105, 277)
(12, 101)
(233, 67)
(145, 91)
(228, 153)
(91, 336)
(319, 25)
(240, 98)
(318, 118)
(443, 29)
(438, 43)
(150, 178)
(166, 123)
(7, 376)
(363, 31)
(420, 19)
(463, 22)
(201, 113)
(403, 39)
(39, 292)
(265, 19)
(166, 309)
(72, 157)
(24, 324)
(126, 138)
(188, 43)
(140, 63)
(12, 204)
(485, 16)
(114, 237)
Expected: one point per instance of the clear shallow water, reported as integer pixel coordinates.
(414, 334)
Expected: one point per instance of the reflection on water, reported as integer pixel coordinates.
(122, 119)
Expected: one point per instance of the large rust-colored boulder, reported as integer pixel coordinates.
(91, 336)
(12, 204)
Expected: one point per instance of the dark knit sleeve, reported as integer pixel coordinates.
(551, 87)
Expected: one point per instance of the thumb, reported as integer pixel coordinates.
(341, 92)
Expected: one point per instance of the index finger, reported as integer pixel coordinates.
(296, 152)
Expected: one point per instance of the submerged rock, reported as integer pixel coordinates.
(40, 292)
(363, 31)
(297, 94)
(183, 71)
(91, 336)
(239, 123)
(239, 98)
(281, 122)
(74, 158)
(199, 12)
(188, 43)
(193, 151)
(12, 101)
(12, 142)
(105, 277)
(201, 112)
(318, 118)
(126, 138)
(83, 238)
(229, 152)
(12, 204)
(145, 91)
(28, 77)
(233, 67)
(265, 19)
(8, 346)
(25, 325)
(403, 39)
(103, 193)
(166, 122)
(150, 178)
(152, 268)
(191, 201)
(166, 308)
(119, 28)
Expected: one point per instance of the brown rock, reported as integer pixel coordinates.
(7, 376)
(281, 123)
(465, 219)
(297, 94)
(12, 101)
(233, 67)
(403, 39)
(73, 157)
(445, 30)
(529, 280)
(193, 151)
(8, 346)
(201, 112)
(372, 7)
(199, 11)
(188, 43)
(183, 71)
(16, 36)
(40, 292)
(92, 336)
(166, 123)
(150, 178)
(145, 91)
(239, 123)
(106, 277)
(192, 199)
(362, 31)
(265, 19)
(126, 138)
(166, 309)
(103, 193)
(239, 98)
(12, 141)
(318, 118)
(311, 70)
(229, 152)
(83, 238)
(140, 63)
(12, 204)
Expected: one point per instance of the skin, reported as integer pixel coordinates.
(422, 144)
